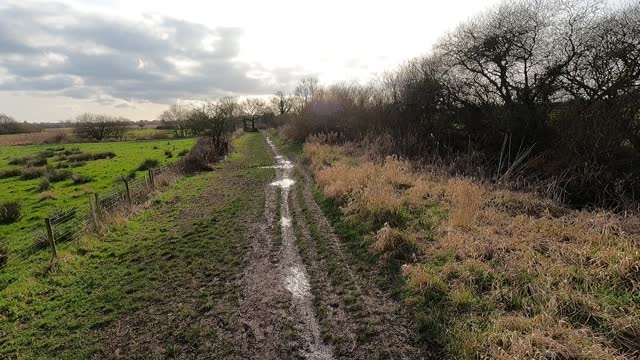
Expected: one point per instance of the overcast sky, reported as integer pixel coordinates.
(133, 58)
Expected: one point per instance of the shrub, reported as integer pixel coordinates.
(10, 173)
(57, 176)
(71, 151)
(297, 129)
(80, 179)
(44, 185)
(88, 157)
(148, 164)
(103, 155)
(46, 154)
(32, 173)
(19, 161)
(10, 212)
(36, 162)
(201, 155)
(183, 152)
(78, 157)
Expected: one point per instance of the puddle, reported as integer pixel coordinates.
(284, 183)
(296, 282)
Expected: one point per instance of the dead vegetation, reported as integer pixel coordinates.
(492, 272)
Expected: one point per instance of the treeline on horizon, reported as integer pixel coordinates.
(538, 95)
(10, 126)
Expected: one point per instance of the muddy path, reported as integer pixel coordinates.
(249, 268)
(276, 278)
(302, 299)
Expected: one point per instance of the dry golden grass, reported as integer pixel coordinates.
(392, 242)
(377, 200)
(466, 200)
(546, 281)
(47, 195)
(42, 137)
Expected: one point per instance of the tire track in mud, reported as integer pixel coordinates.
(277, 308)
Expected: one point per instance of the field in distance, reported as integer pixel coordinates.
(44, 177)
(65, 135)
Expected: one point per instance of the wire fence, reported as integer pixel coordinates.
(64, 225)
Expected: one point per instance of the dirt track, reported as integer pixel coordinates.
(299, 276)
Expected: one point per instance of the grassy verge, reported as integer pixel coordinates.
(191, 237)
(487, 272)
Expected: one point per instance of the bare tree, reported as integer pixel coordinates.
(176, 119)
(307, 89)
(229, 108)
(99, 127)
(281, 103)
(252, 110)
(215, 121)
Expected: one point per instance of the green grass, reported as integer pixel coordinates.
(103, 173)
(191, 236)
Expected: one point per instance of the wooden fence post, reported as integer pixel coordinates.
(97, 197)
(151, 180)
(51, 240)
(126, 186)
(94, 212)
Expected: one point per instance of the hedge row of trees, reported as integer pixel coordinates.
(185, 121)
(543, 93)
(9, 125)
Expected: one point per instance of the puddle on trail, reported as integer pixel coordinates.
(284, 183)
(296, 282)
(285, 222)
(294, 273)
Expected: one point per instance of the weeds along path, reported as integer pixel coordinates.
(338, 312)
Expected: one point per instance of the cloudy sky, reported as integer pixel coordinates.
(133, 58)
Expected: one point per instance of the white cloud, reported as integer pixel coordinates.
(157, 51)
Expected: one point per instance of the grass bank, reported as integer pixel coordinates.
(179, 258)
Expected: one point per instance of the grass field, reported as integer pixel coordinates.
(91, 175)
(170, 257)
